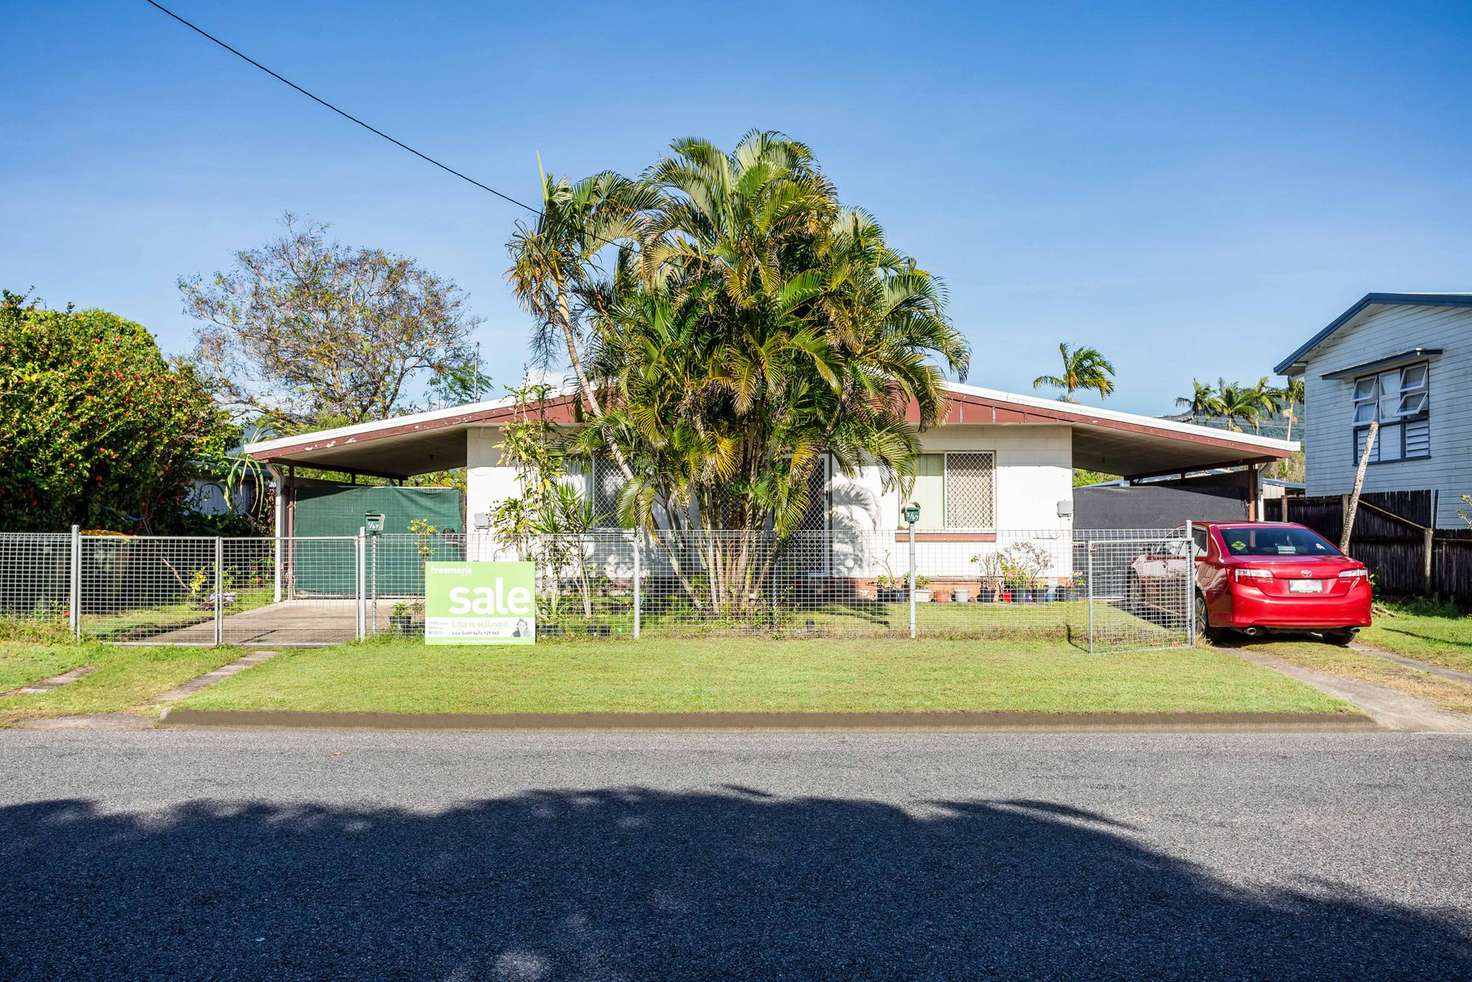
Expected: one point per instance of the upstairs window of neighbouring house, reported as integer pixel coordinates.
(955, 491)
(1401, 400)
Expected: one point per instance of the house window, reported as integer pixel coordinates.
(1400, 400)
(601, 482)
(820, 499)
(955, 491)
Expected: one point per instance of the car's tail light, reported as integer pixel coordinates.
(1354, 574)
(1244, 574)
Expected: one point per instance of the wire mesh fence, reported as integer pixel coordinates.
(1111, 590)
(35, 577)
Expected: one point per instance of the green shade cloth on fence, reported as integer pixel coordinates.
(322, 508)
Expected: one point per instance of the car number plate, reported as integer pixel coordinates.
(1305, 586)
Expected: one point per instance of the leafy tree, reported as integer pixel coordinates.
(1082, 477)
(748, 325)
(1238, 402)
(304, 332)
(1083, 368)
(96, 428)
(1204, 401)
(1291, 397)
(1266, 399)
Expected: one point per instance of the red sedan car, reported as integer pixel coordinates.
(1256, 577)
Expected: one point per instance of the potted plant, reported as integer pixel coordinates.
(941, 595)
(1070, 588)
(961, 595)
(401, 618)
(922, 592)
(888, 589)
(988, 576)
(1022, 565)
(1040, 588)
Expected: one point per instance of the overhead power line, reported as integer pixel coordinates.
(344, 113)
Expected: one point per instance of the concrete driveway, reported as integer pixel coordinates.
(305, 621)
(289, 854)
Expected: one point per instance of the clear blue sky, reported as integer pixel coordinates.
(1194, 190)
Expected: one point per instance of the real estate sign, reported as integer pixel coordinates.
(479, 603)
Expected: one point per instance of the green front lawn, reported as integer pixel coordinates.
(758, 675)
(26, 662)
(126, 679)
(1066, 620)
(1432, 632)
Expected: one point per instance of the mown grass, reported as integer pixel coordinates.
(1369, 667)
(126, 678)
(757, 675)
(29, 661)
(1066, 620)
(1433, 632)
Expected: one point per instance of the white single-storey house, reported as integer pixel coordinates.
(997, 468)
(1404, 360)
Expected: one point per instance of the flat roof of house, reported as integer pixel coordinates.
(1294, 363)
(1103, 439)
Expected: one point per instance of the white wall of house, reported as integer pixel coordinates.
(1033, 473)
(1329, 405)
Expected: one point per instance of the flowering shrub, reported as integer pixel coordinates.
(96, 427)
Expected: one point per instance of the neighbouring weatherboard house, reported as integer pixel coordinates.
(1404, 359)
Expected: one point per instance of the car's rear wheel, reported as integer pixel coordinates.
(1341, 638)
(1203, 621)
(1134, 594)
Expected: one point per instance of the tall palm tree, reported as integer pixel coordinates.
(1291, 396)
(760, 328)
(1238, 402)
(1203, 402)
(1083, 368)
(555, 264)
(1266, 398)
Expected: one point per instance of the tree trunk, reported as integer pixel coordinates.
(1359, 483)
(575, 359)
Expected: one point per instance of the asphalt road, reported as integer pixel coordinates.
(541, 856)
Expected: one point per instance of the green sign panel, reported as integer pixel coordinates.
(480, 603)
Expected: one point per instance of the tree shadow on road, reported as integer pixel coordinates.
(631, 882)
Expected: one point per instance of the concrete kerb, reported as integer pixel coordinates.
(971, 721)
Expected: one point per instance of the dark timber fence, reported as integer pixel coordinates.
(1394, 538)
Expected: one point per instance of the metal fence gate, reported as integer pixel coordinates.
(1098, 591)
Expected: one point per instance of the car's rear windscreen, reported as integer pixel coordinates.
(1266, 540)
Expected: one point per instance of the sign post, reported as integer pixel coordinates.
(373, 522)
(912, 515)
(480, 603)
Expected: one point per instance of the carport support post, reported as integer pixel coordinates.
(219, 591)
(638, 594)
(278, 560)
(360, 595)
(75, 586)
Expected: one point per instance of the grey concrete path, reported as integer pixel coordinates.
(263, 855)
(291, 622)
(54, 682)
(131, 721)
(1391, 709)
(213, 678)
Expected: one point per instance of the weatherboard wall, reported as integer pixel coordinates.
(1329, 405)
